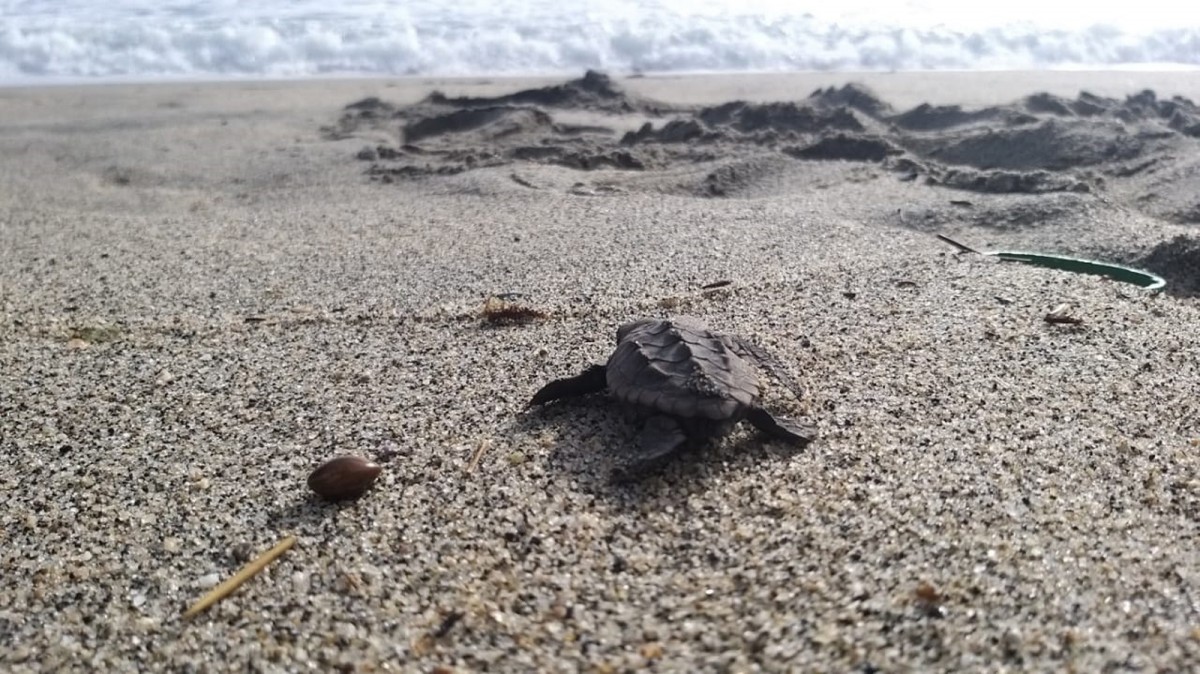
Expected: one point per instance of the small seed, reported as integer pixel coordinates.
(344, 477)
(927, 593)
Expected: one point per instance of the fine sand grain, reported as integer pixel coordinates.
(206, 290)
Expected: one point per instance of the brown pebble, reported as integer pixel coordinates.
(927, 593)
(344, 477)
(929, 600)
(652, 651)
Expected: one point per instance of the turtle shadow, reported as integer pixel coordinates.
(583, 466)
(697, 467)
(706, 465)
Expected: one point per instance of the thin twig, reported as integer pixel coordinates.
(225, 589)
(484, 444)
(952, 242)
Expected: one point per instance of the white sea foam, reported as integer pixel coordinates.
(48, 40)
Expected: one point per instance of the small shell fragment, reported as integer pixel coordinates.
(1062, 314)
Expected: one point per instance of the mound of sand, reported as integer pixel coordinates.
(490, 123)
(594, 91)
(851, 96)
(1040, 162)
(1178, 261)
(1037, 145)
(1052, 145)
(927, 117)
(788, 119)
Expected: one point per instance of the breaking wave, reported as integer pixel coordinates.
(150, 39)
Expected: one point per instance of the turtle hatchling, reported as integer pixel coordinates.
(689, 384)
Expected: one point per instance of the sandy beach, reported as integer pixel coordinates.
(208, 289)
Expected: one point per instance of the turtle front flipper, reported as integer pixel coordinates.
(592, 380)
(782, 428)
(661, 437)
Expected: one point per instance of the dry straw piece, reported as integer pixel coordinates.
(246, 573)
(477, 455)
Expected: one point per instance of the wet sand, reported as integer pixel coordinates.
(208, 289)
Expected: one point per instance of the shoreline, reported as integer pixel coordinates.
(904, 88)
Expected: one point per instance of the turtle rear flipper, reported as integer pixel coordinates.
(782, 428)
(658, 441)
(766, 360)
(591, 380)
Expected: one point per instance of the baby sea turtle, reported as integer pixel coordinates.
(690, 383)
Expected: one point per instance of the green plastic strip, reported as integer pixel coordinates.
(1116, 272)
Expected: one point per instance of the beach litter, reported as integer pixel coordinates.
(1138, 277)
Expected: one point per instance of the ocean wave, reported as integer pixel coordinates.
(82, 39)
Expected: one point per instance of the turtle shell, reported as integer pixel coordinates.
(680, 368)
